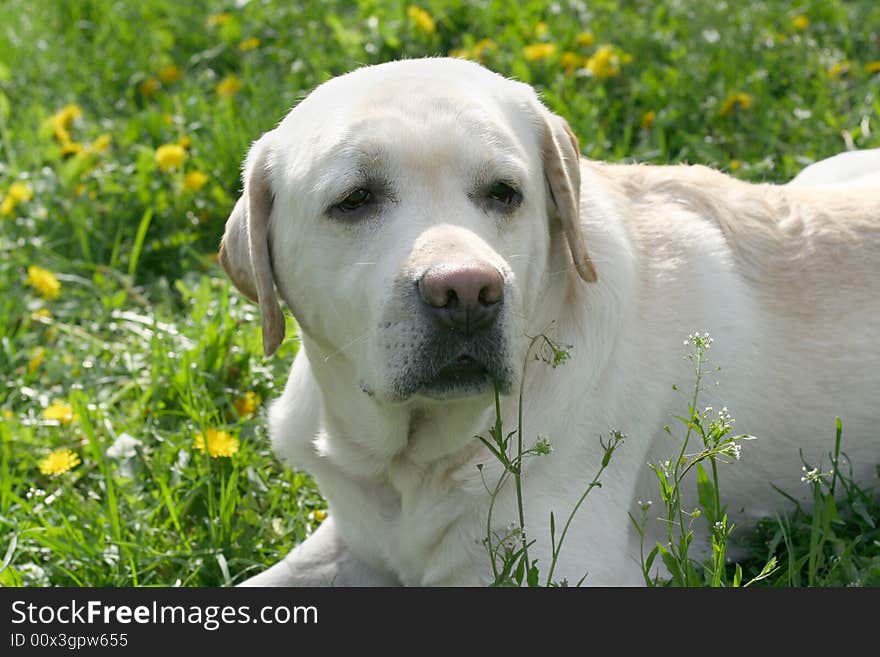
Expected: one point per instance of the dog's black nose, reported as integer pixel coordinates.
(463, 298)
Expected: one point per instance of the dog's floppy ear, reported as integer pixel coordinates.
(563, 172)
(244, 249)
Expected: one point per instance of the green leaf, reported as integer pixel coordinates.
(520, 570)
(858, 506)
(671, 565)
(706, 495)
(532, 578)
(768, 569)
(737, 576)
(492, 449)
(650, 560)
(829, 515)
(10, 552)
(10, 577)
(139, 241)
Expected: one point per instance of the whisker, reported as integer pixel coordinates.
(346, 346)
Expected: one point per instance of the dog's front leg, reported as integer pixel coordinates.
(322, 560)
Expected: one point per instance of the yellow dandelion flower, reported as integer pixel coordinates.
(838, 69)
(744, 100)
(194, 181)
(20, 192)
(249, 44)
(585, 39)
(648, 119)
(247, 404)
(37, 357)
(62, 135)
(170, 156)
(59, 462)
(604, 63)
(478, 52)
(218, 19)
(541, 29)
(539, 51)
(872, 67)
(229, 86)
(63, 119)
(735, 164)
(68, 114)
(59, 411)
(7, 206)
(71, 148)
(185, 141)
(149, 87)
(800, 22)
(484, 45)
(219, 443)
(319, 515)
(101, 144)
(170, 73)
(570, 61)
(42, 313)
(44, 282)
(7, 414)
(421, 19)
(739, 99)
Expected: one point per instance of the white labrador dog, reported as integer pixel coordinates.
(423, 219)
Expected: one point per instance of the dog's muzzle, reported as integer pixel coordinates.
(466, 350)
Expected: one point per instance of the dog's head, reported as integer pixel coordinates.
(408, 214)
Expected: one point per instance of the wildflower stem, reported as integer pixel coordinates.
(517, 473)
(674, 504)
(593, 484)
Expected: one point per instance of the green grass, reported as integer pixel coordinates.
(146, 337)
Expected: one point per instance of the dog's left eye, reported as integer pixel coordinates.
(355, 200)
(502, 193)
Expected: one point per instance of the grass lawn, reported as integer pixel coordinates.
(123, 126)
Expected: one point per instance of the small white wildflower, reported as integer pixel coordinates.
(719, 526)
(810, 476)
(32, 574)
(124, 447)
(111, 554)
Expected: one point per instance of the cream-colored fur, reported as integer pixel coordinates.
(620, 261)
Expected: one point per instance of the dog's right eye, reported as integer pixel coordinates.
(355, 200)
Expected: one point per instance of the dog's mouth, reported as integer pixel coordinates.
(464, 375)
(444, 366)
